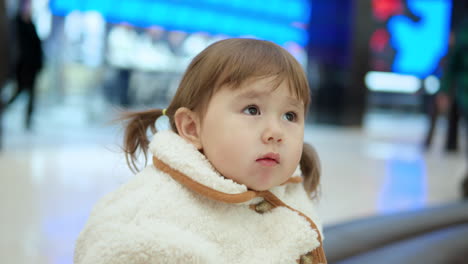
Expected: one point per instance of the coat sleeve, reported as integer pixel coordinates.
(133, 244)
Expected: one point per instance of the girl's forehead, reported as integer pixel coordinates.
(260, 91)
(256, 85)
(267, 85)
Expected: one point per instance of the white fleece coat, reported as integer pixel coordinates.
(155, 219)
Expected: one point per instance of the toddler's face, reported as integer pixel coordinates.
(254, 135)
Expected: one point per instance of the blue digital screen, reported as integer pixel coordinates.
(421, 44)
(275, 20)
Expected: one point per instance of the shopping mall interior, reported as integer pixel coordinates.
(374, 70)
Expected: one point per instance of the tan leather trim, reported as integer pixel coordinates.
(317, 254)
(208, 192)
(202, 189)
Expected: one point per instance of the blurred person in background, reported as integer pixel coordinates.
(454, 85)
(451, 137)
(29, 57)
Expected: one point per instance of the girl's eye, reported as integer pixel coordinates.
(290, 116)
(251, 110)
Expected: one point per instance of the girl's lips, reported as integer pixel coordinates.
(271, 156)
(267, 162)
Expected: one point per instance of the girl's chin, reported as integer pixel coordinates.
(260, 187)
(262, 181)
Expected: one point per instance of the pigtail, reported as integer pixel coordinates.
(310, 167)
(135, 138)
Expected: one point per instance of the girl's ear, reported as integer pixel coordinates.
(188, 126)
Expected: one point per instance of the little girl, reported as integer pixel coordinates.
(230, 182)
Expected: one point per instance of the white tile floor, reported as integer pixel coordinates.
(49, 179)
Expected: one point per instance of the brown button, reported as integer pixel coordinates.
(306, 259)
(263, 207)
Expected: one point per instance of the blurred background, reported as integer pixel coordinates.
(374, 68)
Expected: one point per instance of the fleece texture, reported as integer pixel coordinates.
(155, 219)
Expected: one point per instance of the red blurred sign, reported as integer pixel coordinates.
(383, 9)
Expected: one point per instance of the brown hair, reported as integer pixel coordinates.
(229, 62)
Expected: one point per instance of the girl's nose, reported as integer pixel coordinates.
(273, 133)
(275, 139)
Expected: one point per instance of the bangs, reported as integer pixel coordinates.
(246, 59)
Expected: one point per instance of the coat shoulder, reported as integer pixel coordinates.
(129, 243)
(114, 233)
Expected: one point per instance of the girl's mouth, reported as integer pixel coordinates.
(269, 160)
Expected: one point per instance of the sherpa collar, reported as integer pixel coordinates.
(185, 164)
(173, 155)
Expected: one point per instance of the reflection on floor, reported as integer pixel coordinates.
(51, 177)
